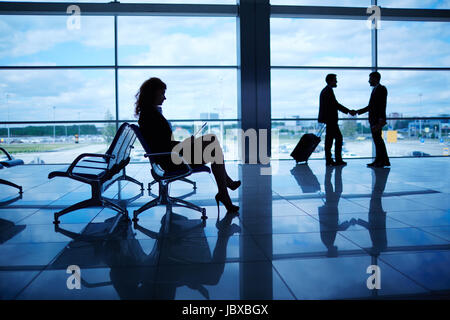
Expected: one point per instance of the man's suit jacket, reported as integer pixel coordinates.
(328, 109)
(377, 105)
(157, 133)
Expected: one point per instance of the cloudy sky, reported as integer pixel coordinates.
(73, 94)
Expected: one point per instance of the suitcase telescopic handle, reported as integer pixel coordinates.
(322, 128)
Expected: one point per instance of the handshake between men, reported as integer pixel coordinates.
(328, 114)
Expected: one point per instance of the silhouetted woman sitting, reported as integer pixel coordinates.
(157, 132)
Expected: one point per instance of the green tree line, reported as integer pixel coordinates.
(31, 131)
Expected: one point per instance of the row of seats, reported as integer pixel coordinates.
(9, 163)
(101, 170)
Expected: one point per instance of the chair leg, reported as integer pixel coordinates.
(189, 205)
(146, 206)
(189, 181)
(150, 184)
(110, 204)
(11, 185)
(128, 178)
(77, 206)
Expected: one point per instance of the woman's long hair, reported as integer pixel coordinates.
(146, 95)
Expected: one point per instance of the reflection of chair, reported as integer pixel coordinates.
(136, 273)
(10, 162)
(100, 171)
(164, 178)
(9, 230)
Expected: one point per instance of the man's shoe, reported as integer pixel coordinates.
(373, 164)
(330, 163)
(340, 163)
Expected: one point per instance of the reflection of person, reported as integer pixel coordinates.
(377, 216)
(135, 273)
(377, 119)
(329, 212)
(157, 132)
(181, 248)
(328, 114)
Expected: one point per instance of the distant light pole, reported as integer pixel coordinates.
(420, 121)
(54, 125)
(7, 105)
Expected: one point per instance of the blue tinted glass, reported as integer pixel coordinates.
(56, 40)
(47, 95)
(177, 41)
(307, 42)
(414, 44)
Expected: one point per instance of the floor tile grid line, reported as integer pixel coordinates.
(47, 206)
(286, 199)
(431, 233)
(48, 266)
(430, 205)
(252, 236)
(25, 190)
(367, 250)
(420, 228)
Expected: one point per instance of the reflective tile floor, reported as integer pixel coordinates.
(302, 232)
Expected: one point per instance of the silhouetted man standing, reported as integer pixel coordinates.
(377, 119)
(328, 114)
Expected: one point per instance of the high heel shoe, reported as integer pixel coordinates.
(234, 185)
(226, 201)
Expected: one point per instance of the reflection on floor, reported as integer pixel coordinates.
(303, 232)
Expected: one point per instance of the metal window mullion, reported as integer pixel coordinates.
(361, 68)
(116, 73)
(121, 9)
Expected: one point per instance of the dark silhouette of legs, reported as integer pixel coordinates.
(333, 134)
(381, 156)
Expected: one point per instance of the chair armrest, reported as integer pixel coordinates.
(84, 155)
(150, 155)
(6, 153)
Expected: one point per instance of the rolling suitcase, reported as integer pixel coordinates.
(307, 144)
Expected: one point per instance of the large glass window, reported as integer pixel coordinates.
(417, 93)
(191, 93)
(56, 95)
(308, 42)
(414, 44)
(428, 4)
(55, 72)
(66, 76)
(56, 41)
(177, 41)
(295, 93)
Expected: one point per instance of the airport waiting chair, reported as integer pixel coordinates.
(9, 163)
(100, 171)
(164, 178)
